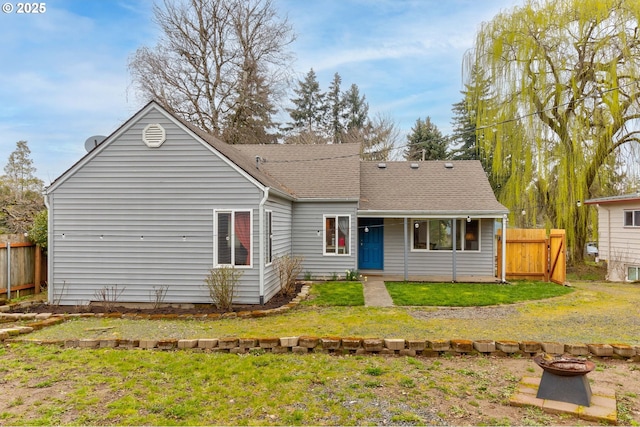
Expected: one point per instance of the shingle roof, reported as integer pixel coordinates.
(335, 172)
(429, 188)
(311, 171)
(633, 197)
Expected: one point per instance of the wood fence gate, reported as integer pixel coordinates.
(534, 255)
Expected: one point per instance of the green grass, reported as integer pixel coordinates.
(120, 387)
(336, 294)
(471, 294)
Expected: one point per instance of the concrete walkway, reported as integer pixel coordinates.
(375, 293)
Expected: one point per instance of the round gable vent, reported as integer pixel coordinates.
(153, 135)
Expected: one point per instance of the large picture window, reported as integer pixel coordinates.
(337, 231)
(437, 235)
(233, 238)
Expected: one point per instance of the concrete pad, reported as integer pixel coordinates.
(603, 407)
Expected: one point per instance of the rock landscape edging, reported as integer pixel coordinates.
(303, 344)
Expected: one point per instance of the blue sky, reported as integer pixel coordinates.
(64, 76)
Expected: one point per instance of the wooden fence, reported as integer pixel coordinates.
(23, 267)
(534, 255)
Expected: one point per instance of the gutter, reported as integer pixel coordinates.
(261, 228)
(430, 214)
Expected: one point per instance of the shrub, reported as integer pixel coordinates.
(288, 268)
(38, 231)
(108, 296)
(351, 275)
(222, 283)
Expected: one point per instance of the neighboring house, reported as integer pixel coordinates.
(619, 235)
(159, 203)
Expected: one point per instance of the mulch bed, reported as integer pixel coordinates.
(276, 301)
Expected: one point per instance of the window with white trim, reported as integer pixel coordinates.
(233, 237)
(633, 273)
(268, 238)
(337, 231)
(632, 218)
(437, 235)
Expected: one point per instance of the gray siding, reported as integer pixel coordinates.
(140, 217)
(617, 244)
(281, 217)
(308, 226)
(469, 263)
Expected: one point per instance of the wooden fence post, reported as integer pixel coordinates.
(37, 274)
(8, 271)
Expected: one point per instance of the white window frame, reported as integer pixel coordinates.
(268, 238)
(324, 234)
(461, 230)
(232, 238)
(634, 213)
(637, 268)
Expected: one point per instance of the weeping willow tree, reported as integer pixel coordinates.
(565, 82)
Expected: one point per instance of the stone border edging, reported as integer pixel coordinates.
(306, 344)
(346, 345)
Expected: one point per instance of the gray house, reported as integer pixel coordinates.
(159, 203)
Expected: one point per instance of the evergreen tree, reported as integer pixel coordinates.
(335, 109)
(465, 117)
(426, 136)
(464, 131)
(20, 191)
(310, 106)
(356, 108)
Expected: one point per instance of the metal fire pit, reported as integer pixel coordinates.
(565, 379)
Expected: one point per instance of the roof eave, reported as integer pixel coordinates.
(364, 213)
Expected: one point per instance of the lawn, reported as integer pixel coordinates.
(336, 294)
(471, 294)
(48, 385)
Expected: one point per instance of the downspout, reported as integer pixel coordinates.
(50, 252)
(504, 248)
(453, 233)
(608, 260)
(406, 251)
(261, 228)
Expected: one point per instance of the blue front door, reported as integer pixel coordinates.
(371, 244)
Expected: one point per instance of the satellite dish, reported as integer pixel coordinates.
(93, 141)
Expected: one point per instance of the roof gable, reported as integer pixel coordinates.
(224, 151)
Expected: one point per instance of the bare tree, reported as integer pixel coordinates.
(376, 137)
(217, 64)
